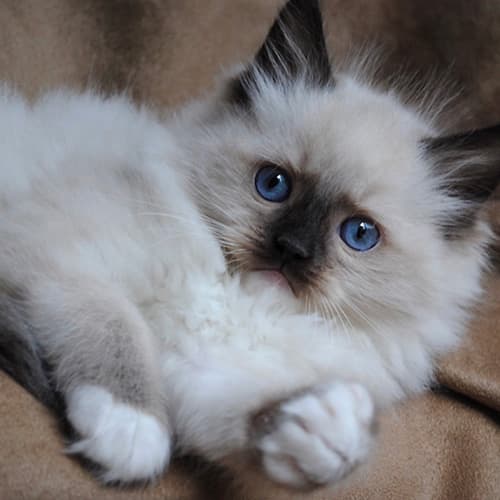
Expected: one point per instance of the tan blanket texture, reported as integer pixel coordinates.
(444, 445)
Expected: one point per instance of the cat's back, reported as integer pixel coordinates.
(63, 137)
(86, 182)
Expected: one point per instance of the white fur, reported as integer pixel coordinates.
(130, 444)
(320, 437)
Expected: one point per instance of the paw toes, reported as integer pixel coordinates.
(318, 437)
(129, 444)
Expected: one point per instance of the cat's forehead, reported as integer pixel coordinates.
(350, 129)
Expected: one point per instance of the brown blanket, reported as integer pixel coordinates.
(444, 445)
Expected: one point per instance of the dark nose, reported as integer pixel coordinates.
(290, 247)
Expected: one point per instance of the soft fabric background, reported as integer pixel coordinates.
(444, 445)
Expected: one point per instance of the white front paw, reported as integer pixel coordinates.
(129, 444)
(317, 437)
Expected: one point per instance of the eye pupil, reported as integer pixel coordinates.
(273, 183)
(360, 234)
(361, 230)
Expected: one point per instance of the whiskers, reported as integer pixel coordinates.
(346, 315)
(238, 238)
(212, 214)
(237, 258)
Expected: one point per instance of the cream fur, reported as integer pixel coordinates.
(102, 200)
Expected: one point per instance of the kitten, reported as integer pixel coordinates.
(262, 272)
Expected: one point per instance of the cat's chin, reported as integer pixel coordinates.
(260, 280)
(275, 278)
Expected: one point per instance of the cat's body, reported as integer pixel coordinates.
(157, 283)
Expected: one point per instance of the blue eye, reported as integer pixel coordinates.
(359, 233)
(273, 183)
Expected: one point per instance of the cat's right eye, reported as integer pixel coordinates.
(273, 183)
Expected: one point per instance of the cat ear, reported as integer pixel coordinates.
(468, 166)
(295, 48)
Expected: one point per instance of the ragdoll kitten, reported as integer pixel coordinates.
(261, 273)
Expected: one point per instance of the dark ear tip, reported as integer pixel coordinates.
(468, 166)
(237, 92)
(294, 48)
(301, 6)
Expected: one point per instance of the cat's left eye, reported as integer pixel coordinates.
(359, 233)
(273, 183)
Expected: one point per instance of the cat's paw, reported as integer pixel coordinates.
(129, 444)
(318, 437)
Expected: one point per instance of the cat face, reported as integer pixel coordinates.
(337, 186)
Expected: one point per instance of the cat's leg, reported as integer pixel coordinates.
(304, 436)
(105, 364)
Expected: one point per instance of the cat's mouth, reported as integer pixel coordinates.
(276, 278)
(270, 272)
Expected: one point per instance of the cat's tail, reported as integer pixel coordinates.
(20, 355)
